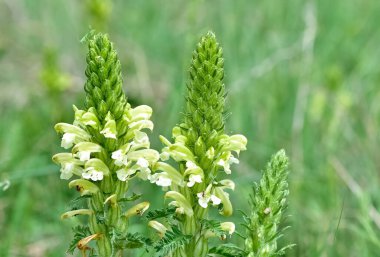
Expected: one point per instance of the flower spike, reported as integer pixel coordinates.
(201, 149)
(109, 149)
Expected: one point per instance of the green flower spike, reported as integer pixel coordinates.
(109, 148)
(202, 150)
(104, 81)
(268, 203)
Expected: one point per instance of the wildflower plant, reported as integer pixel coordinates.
(203, 154)
(268, 203)
(109, 148)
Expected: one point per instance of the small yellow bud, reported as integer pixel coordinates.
(181, 201)
(160, 228)
(138, 209)
(112, 199)
(73, 213)
(228, 227)
(83, 186)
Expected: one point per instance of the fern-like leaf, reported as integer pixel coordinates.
(80, 232)
(131, 198)
(227, 250)
(130, 241)
(171, 241)
(161, 213)
(213, 226)
(79, 202)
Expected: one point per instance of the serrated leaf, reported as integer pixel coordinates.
(80, 232)
(79, 202)
(131, 198)
(100, 219)
(161, 213)
(213, 226)
(130, 241)
(228, 250)
(171, 241)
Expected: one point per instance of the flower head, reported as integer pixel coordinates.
(95, 169)
(93, 174)
(125, 173)
(120, 158)
(67, 170)
(194, 179)
(68, 140)
(83, 150)
(109, 130)
(69, 165)
(161, 179)
(226, 162)
(205, 198)
(228, 227)
(84, 155)
(143, 166)
(71, 134)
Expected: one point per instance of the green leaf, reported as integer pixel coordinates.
(131, 198)
(89, 35)
(79, 202)
(171, 241)
(130, 241)
(161, 213)
(80, 232)
(213, 226)
(227, 250)
(100, 219)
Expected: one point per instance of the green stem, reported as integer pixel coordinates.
(198, 246)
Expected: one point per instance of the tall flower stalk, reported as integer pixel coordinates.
(268, 203)
(108, 150)
(203, 154)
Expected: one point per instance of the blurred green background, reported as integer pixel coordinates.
(301, 75)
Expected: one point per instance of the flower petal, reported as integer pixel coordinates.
(181, 201)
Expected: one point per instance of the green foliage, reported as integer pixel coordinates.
(80, 232)
(100, 217)
(214, 227)
(131, 198)
(268, 203)
(227, 250)
(167, 212)
(172, 241)
(130, 241)
(79, 202)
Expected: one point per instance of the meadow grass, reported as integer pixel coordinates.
(301, 75)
